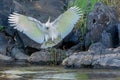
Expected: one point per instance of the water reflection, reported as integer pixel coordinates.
(56, 73)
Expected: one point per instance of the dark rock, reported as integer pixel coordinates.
(3, 43)
(112, 29)
(53, 55)
(39, 9)
(119, 32)
(100, 58)
(106, 39)
(72, 39)
(6, 7)
(18, 54)
(97, 21)
(10, 31)
(97, 48)
(28, 42)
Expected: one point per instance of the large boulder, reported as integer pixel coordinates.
(102, 19)
(3, 44)
(78, 60)
(19, 54)
(97, 57)
(119, 32)
(6, 7)
(47, 56)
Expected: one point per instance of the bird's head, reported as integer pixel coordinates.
(48, 24)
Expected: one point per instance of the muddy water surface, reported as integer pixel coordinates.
(57, 73)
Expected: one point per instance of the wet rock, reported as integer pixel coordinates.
(44, 56)
(18, 54)
(97, 21)
(119, 32)
(5, 58)
(100, 58)
(3, 43)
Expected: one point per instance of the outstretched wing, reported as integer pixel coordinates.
(66, 21)
(28, 25)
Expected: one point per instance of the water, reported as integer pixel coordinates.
(57, 73)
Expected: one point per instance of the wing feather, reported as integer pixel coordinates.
(66, 21)
(28, 25)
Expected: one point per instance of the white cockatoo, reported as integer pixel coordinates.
(50, 33)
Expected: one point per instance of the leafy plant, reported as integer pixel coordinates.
(1, 28)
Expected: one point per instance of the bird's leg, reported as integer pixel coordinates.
(46, 38)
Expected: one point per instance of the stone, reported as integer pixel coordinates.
(18, 54)
(44, 56)
(5, 58)
(106, 39)
(73, 38)
(119, 32)
(114, 63)
(97, 21)
(39, 9)
(112, 29)
(97, 48)
(78, 59)
(27, 41)
(3, 43)
(106, 58)
(5, 9)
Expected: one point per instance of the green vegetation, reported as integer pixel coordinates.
(1, 28)
(53, 56)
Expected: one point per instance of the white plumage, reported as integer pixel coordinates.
(50, 33)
